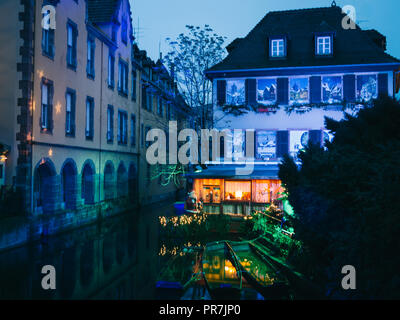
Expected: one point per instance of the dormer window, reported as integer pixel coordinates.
(324, 45)
(277, 48)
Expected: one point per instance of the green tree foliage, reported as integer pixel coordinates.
(347, 203)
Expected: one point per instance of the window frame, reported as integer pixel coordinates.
(133, 130)
(324, 36)
(73, 51)
(91, 56)
(110, 124)
(46, 127)
(122, 135)
(277, 39)
(89, 123)
(123, 77)
(111, 73)
(72, 123)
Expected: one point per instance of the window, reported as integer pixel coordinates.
(46, 116)
(367, 88)
(72, 33)
(70, 102)
(238, 190)
(123, 77)
(133, 130)
(48, 40)
(235, 92)
(266, 91)
(298, 140)
(299, 90)
(134, 84)
(277, 48)
(332, 89)
(324, 45)
(124, 31)
(266, 190)
(110, 123)
(122, 127)
(265, 144)
(89, 130)
(90, 57)
(111, 64)
(1, 171)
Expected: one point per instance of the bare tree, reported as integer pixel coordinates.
(191, 54)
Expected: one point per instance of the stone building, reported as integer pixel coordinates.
(72, 113)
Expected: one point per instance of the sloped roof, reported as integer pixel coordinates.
(352, 46)
(100, 11)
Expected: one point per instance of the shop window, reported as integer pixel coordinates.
(366, 87)
(238, 190)
(212, 194)
(266, 91)
(332, 89)
(298, 141)
(235, 92)
(299, 91)
(266, 191)
(265, 144)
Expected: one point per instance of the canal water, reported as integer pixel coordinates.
(123, 257)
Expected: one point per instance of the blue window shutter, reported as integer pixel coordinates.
(251, 92)
(283, 90)
(315, 137)
(383, 84)
(221, 92)
(282, 143)
(349, 87)
(315, 89)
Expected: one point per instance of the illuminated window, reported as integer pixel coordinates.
(235, 92)
(265, 144)
(298, 140)
(266, 91)
(277, 48)
(324, 45)
(367, 87)
(266, 191)
(238, 190)
(299, 90)
(332, 89)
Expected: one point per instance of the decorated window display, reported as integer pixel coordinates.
(239, 139)
(265, 144)
(266, 91)
(298, 141)
(332, 89)
(299, 90)
(235, 92)
(366, 87)
(238, 190)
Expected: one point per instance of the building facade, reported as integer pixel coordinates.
(290, 72)
(73, 117)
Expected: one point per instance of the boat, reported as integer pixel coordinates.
(258, 271)
(222, 279)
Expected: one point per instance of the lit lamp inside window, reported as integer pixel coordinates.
(239, 194)
(3, 158)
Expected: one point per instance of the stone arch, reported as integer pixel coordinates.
(109, 181)
(69, 185)
(132, 183)
(46, 187)
(88, 185)
(122, 181)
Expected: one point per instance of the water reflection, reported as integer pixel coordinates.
(115, 259)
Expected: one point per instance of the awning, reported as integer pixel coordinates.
(260, 171)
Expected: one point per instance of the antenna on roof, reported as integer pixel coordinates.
(333, 3)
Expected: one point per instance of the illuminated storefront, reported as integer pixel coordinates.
(226, 193)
